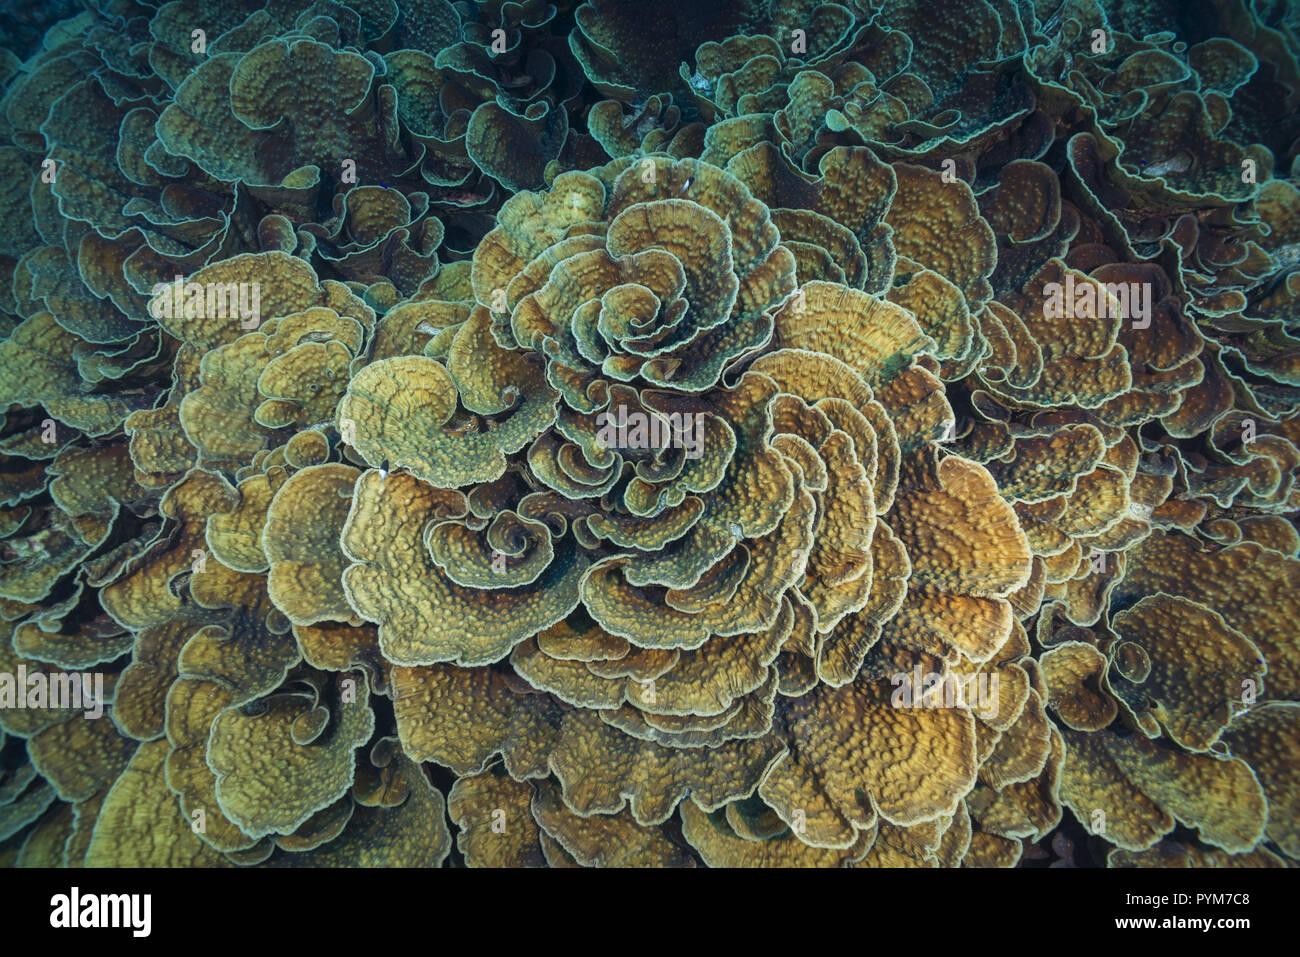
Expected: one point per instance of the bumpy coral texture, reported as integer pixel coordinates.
(386, 567)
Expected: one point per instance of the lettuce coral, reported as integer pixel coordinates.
(589, 434)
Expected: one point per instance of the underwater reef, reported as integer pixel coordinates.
(774, 433)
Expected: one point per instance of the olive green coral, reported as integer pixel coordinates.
(600, 434)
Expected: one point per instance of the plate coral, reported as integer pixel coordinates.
(777, 433)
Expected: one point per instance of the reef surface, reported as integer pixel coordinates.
(758, 434)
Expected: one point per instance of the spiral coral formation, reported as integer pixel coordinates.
(457, 434)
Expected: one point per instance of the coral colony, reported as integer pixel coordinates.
(764, 433)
